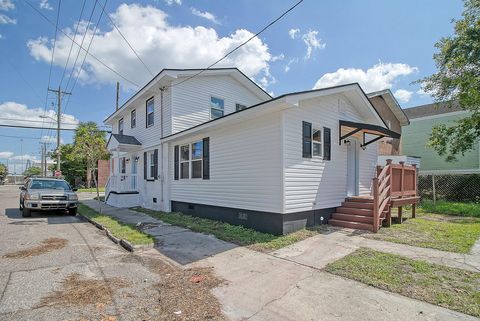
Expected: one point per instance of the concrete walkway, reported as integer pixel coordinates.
(289, 284)
(178, 244)
(322, 249)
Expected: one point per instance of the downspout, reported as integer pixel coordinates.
(162, 89)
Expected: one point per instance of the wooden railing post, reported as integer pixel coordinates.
(402, 178)
(376, 205)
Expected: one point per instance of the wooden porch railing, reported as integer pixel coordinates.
(393, 181)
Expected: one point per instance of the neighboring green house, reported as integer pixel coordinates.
(415, 138)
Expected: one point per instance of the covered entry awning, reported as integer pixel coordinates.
(349, 128)
(123, 143)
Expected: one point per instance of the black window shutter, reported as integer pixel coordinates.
(307, 139)
(327, 143)
(206, 158)
(176, 163)
(155, 162)
(145, 169)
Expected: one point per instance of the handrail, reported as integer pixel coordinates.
(390, 184)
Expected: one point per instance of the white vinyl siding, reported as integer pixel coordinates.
(245, 167)
(314, 183)
(192, 99)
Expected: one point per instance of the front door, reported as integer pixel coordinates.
(352, 167)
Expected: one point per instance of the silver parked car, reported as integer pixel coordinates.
(47, 194)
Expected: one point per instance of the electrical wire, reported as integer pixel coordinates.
(239, 46)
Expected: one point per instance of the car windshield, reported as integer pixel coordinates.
(49, 184)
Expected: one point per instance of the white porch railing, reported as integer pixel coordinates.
(122, 183)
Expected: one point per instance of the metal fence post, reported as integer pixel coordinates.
(434, 192)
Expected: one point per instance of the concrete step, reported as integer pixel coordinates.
(357, 205)
(355, 211)
(359, 199)
(352, 218)
(353, 225)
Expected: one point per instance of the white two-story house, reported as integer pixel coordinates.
(216, 145)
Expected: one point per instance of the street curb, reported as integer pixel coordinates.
(122, 242)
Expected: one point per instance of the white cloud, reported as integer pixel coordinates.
(380, 76)
(45, 5)
(277, 57)
(170, 2)
(5, 20)
(50, 139)
(6, 5)
(290, 62)
(20, 115)
(403, 95)
(5, 155)
(312, 42)
(293, 32)
(206, 15)
(158, 43)
(1, 36)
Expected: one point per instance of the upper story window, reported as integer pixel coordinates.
(120, 126)
(239, 107)
(317, 142)
(133, 118)
(216, 107)
(150, 112)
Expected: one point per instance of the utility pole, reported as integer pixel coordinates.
(59, 93)
(44, 158)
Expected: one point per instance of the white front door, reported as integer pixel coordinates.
(352, 167)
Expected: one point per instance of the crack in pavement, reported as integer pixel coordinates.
(6, 285)
(287, 291)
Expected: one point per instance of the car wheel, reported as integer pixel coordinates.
(26, 212)
(72, 211)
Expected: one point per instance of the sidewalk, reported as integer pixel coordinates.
(179, 244)
(284, 285)
(322, 249)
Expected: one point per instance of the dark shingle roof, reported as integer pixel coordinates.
(125, 139)
(432, 109)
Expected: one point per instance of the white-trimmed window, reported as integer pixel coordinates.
(239, 107)
(317, 142)
(185, 161)
(197, 159)
(151, 165)
(150, 109)
(120, 126)
(217, 107)
(133, 118)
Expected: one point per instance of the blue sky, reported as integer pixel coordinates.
(381, 44)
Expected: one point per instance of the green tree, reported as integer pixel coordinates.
(458, 80)
(73, 167)
(3, 172)
(33, 171)
(90, 146)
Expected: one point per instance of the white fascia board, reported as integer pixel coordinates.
(246, 114)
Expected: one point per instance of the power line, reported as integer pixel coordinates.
(71, 46)
(23, 137)
(89, 53)
(51, 60)
(84, 57)
(32, 121)
(34, 127)
(239, 46)
(128, 43)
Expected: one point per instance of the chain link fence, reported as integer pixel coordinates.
(450, 187)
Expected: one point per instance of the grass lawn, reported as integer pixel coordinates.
(91, 190)
(441, 232)
(123, 231)
(262, 242)
(451, 288)
(451, 208)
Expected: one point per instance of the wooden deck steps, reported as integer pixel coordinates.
(356, 213)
